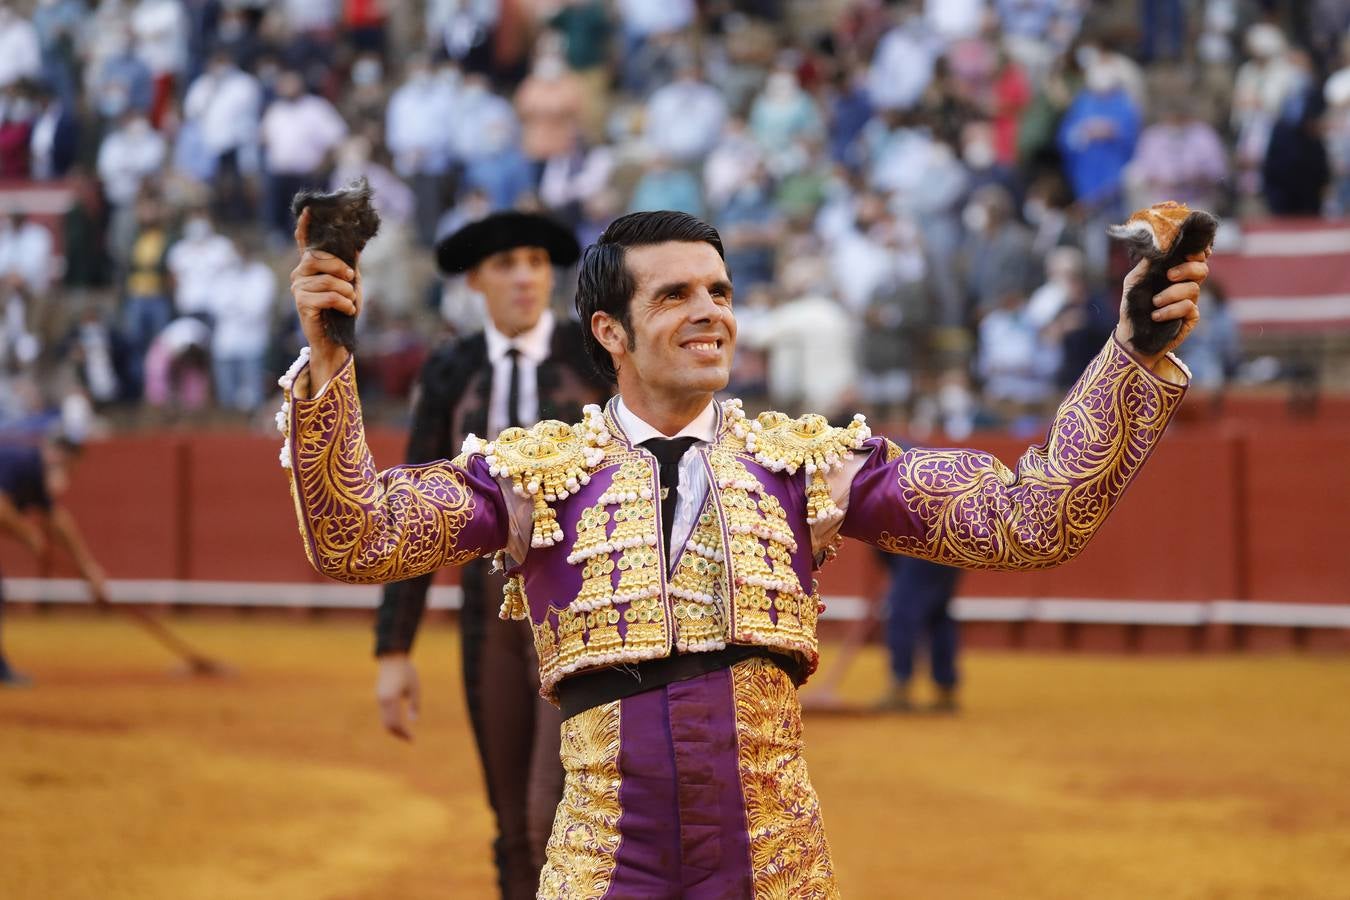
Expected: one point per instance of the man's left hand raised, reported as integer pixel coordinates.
(1180, 301)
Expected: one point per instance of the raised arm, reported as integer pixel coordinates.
(364, 526)
(358, 524)
(966, 508)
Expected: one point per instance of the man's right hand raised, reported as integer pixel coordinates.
(322, 281)
(395, 684)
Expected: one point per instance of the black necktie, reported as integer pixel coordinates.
(513, 390)
(668, 453)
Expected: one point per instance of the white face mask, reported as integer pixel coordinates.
(780, 86)
(549, 68)
(975, 217)
(196, 229)
(367, 72)
(1034, 211)
(1101, 79)
(978, 154)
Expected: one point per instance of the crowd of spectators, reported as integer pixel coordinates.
(913, 195)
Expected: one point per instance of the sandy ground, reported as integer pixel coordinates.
(1065, 776)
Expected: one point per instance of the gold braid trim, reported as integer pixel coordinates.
(583, 848)
(547, 462)
(368, 526)
(780, 442)
(976, 513)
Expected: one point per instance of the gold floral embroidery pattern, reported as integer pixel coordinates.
(547, 462)
(975, 513)
(370, 527)
(588, 626)
(789, 855)
(582, 849)
(780, 443)
(761, 550)
(698, 588)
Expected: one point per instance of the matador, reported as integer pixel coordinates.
(664, 549)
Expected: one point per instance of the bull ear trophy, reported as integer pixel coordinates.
(1164, 234)
(340, 223)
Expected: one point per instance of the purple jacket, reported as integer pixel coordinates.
(596, 585)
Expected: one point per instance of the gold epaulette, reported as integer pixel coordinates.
(546, 462)
(781, 443)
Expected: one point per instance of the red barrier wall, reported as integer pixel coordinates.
(1259, 516)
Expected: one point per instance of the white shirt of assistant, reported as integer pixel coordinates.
(533, 346)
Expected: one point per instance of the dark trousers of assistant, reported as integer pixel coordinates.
(919, 604)
(517, 732)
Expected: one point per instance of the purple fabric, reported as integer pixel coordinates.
(683, 826)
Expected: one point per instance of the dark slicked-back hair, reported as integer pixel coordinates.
(605, 283)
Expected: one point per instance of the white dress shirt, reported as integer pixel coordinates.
(533, 346)
(693, 477)
(693, 484)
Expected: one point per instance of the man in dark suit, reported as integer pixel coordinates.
(525, 366)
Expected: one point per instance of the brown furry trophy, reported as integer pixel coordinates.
(1164, 234)
(340, 223)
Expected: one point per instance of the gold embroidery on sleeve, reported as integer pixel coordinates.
(369, 526)
(976, 513)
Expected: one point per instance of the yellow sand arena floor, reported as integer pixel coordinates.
(1065, 777)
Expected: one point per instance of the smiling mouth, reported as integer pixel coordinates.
(703, 345)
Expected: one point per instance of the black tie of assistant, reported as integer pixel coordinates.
(513, 390)
(668, 453)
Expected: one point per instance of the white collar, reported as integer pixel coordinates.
(703, 427)
(532, 344)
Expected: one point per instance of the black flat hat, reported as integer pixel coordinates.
(500, 231)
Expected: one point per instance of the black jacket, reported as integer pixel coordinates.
(452, 402)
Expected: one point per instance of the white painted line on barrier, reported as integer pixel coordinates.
(842, 608)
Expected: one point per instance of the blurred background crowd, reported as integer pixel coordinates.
(913, 195)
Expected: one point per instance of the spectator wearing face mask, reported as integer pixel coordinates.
(1097, 136)
(20, 52)
(419, 132)
(197, 261)
(225, 104)
(782, 114)
(1295, 172)
(1263, 84)
(1179, 157)
(1096, 139)
(487, 142)
(242, 301)
(298, 132)
(129, 156)
(147, 301)
(902, 66)
(685, 117)
(120, 82)
(550, 104)
(54, 139)
(998, 256)
(160, 29)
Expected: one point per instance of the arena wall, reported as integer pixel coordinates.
(1231, 538)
